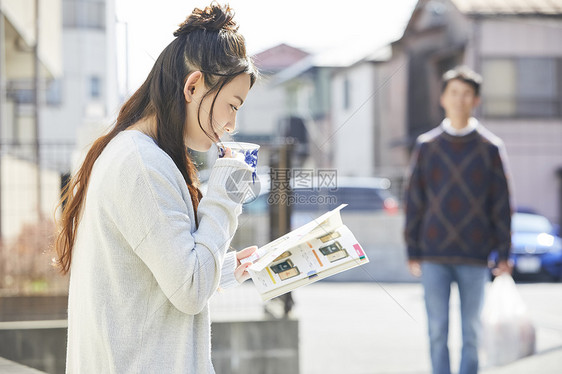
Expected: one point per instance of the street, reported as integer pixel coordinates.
(376, 328)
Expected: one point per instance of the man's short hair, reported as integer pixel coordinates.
(465, 74)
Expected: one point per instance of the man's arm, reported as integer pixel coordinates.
(415, 206)
(501, 210)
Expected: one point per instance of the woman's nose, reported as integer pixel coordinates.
(230, 126)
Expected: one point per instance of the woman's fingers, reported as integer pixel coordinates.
(225, 152)
(241, 273)
(246, 252)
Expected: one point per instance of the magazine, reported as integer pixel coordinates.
(319, 249)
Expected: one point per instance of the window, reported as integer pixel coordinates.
(522, 87)
(21, 91)
(95, 87)
(88, 14)
(346, 93)
(54, 92)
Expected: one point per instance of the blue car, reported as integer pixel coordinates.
(536, 248)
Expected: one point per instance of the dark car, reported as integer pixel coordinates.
(536, 249)
(362, 195)
(372, 214)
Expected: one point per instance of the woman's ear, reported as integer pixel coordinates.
(193, 84)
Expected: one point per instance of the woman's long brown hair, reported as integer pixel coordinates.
(207, 41)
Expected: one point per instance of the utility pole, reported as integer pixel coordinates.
(2, 98)
(126, 59)
(37, 97)
(280, 208)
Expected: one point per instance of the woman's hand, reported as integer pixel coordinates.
(241, 274)
(225, 152)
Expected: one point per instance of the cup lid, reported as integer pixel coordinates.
(240, 145)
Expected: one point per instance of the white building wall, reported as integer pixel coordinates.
(19, 179)
(352, 127)
(21, 15)
(19, 194)
(87, 53)
(112, 95)
(392, 86)
(263, 108)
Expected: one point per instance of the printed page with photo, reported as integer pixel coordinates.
(319, 249)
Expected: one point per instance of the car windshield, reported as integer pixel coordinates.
(523, 222)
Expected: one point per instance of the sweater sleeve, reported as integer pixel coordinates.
(415, 205)
(228, 280)
(186, 264)
(500, 202)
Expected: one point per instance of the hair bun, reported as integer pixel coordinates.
(214, 17)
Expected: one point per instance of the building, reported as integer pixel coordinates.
(261, 114)
(364, 145)
(363, 110)
(309, 92)
(19, 33)
(30, 57)
(516, 46)
(78, 97)
(84, 100)
(265, 113)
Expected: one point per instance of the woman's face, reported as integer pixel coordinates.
(228, 102)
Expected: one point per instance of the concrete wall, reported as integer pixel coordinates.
(249, 347)
(260, 347)
(7, 366)
(40, 345)
(33, 308)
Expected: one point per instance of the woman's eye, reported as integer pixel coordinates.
(234, 108)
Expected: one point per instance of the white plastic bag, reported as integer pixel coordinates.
(507, 330)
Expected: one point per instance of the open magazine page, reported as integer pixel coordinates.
(324, 224)
(326, 249)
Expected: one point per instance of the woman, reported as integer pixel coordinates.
(145, 250)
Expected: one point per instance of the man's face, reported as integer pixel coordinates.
(459, 100)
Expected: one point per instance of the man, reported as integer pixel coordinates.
(457, 212)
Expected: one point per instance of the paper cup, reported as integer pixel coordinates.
(242, 185)
(247, 152)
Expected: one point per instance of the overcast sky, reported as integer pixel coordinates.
(313, 25)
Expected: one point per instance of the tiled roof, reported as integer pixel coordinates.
(543, 7)
(278, 58)
(336, 57)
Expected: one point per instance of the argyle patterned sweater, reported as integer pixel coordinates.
(457, 199)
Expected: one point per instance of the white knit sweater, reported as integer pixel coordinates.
(141, 273)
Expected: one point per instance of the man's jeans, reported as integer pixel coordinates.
(436, 280)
